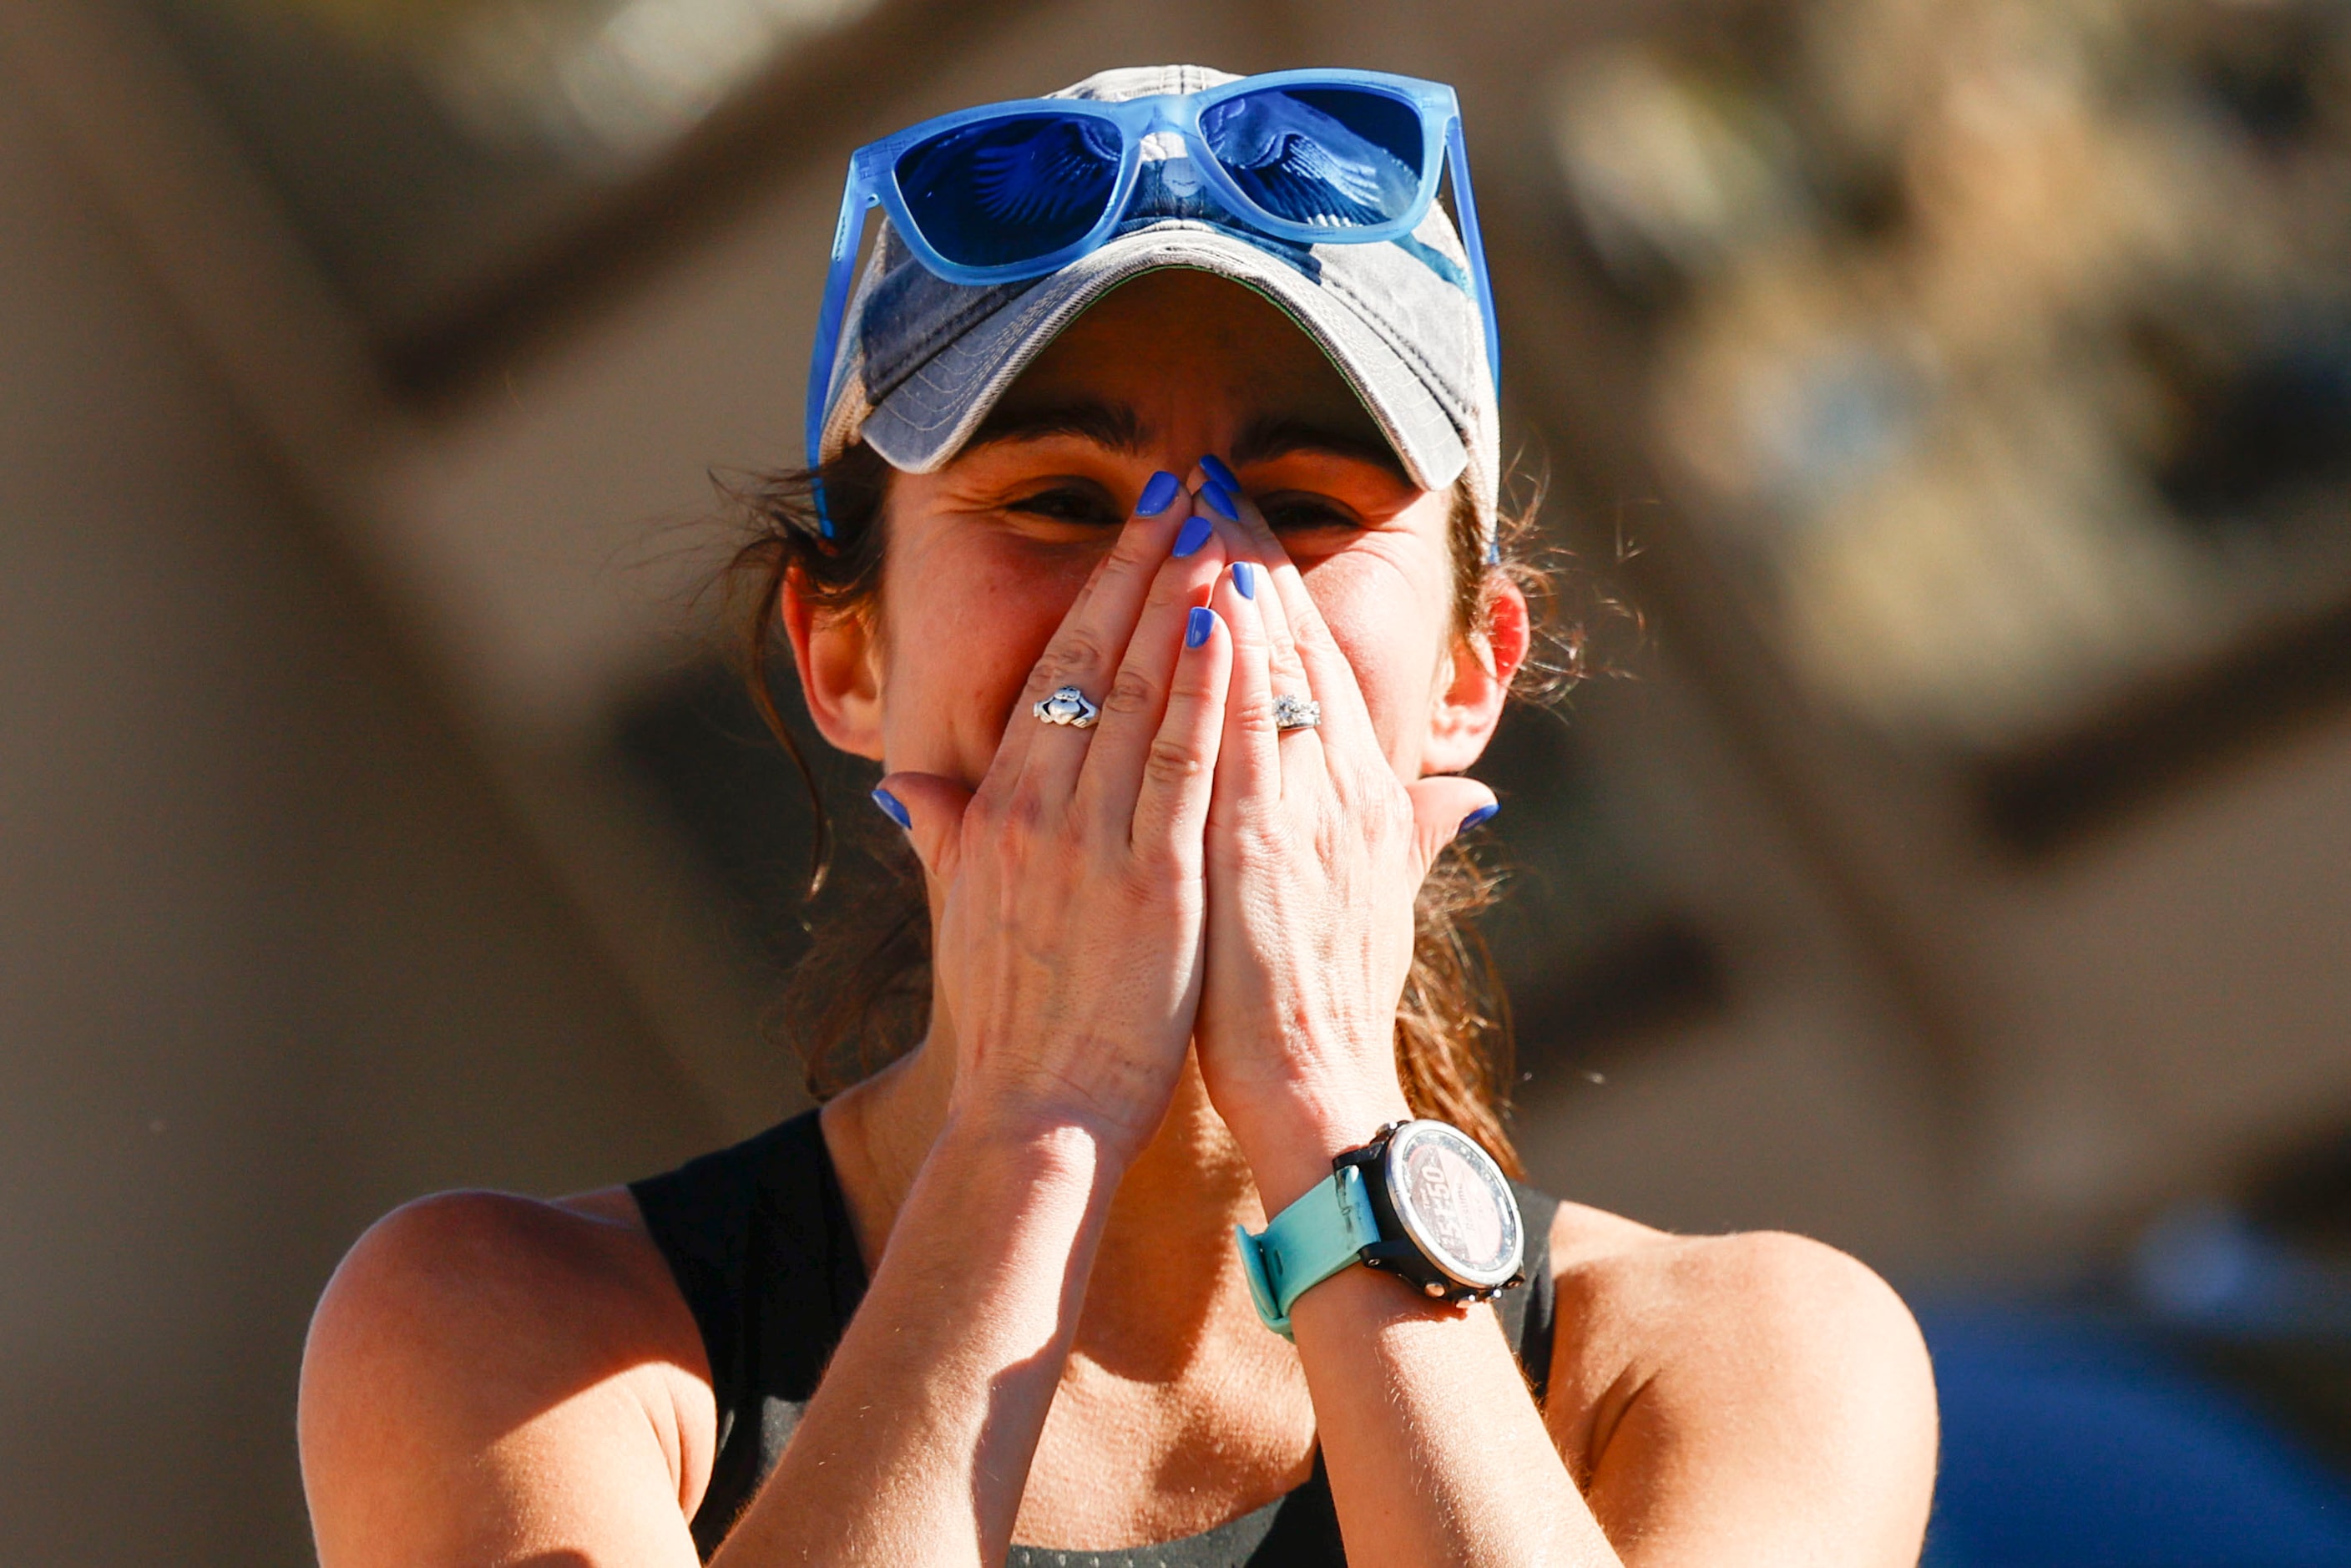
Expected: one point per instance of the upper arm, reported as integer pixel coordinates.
(491, 1380)
(1782, 1412)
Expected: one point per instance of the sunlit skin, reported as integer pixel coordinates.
(986, 555)
(1166, 955)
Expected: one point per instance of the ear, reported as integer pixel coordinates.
(1463, 718)
(840, 662)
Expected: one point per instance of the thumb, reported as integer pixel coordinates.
(930, 809)
(1444, 808)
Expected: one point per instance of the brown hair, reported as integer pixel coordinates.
(860, 997)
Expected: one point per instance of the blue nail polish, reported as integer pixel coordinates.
(1198, 625)
(1219, 472)
(893, 808)
(1245, 578)
(1192, 535)
(1479, 817)
(1220, 501)
(1157, 494)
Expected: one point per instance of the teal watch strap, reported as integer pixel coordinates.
(1308, 1242)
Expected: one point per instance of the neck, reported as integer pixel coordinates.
(1166, 1276)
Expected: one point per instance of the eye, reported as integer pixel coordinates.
(1070, 502)
(1303, 511)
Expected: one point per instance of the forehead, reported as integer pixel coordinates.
(1179, 334)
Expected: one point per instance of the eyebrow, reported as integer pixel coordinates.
(1113, 426)
(1263, 440)
(1116, 427)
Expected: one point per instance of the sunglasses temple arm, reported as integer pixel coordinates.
(855, 198)
(1465, 207)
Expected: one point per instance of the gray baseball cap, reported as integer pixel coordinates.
(923, 360)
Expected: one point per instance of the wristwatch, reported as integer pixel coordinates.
(1421, 1201)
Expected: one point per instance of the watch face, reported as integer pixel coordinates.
(1455, 1202)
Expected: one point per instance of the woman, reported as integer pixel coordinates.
(1177, 739)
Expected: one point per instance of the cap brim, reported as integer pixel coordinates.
(925, 419)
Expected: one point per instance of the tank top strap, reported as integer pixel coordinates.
(759, 1240)
(1530, 1312)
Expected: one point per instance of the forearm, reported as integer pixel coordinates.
(917, 1444)
(1436, 1451)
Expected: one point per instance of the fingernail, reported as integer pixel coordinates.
(1198, 625)
(1157, 494)
(1245, 578)
(894, 808)
(1220, 501)
(1219, 472)
(1479, 817)
(1192, 535)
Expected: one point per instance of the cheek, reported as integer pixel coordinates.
(1390, 631)
(961, 635)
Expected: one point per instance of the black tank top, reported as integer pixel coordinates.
(759, 1239)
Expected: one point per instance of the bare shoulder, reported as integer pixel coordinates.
(477, 1352)
(1741, 1375)
(1645, 1290)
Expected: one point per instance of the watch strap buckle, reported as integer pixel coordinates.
(1328, 1229)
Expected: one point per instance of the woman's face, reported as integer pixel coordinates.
(985, 557)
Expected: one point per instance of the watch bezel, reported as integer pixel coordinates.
(1398, 1142)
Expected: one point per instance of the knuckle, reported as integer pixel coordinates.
(1252, 711)
(1020, 816)
(1070, 656)
(1135, 550)
(985, 812)
(1151, 872)
(1250, 852)
(1133, 691)
(1176, 580)
(1171, 764)
(1079, 652)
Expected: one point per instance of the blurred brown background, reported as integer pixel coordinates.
(1956, 871)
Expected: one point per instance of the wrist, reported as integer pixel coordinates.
(1016, 1110)
(1291, 1141)
(1050, 1150)
(1420, 1200)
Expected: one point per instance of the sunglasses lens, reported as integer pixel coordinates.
(1334, 158)
(1008, 190)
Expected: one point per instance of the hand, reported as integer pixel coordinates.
(1069, 887)
(1316, 851)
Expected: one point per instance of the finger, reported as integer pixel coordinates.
(1155, 506)
(1085, 649)
(1444, 807)
(1012, 746)
(1283, 664)
(1109, 780)
(1303, 650)
(1254, 540)
(1248, 764)
(930, 810)
(1178, 776)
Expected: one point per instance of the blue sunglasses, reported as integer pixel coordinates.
(1020, 189)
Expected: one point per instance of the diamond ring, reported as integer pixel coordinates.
(1069, 706)
(1296, 713)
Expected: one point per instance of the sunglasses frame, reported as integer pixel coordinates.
(873, 181)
